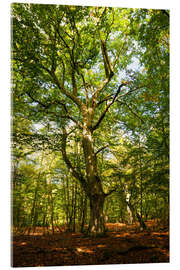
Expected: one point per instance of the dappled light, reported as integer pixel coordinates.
(23, 244)
(84, 250)
(74, 249)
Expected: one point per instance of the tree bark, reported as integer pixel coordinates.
(90, 182)
(94, 189)
(83, 214)
(96, 222)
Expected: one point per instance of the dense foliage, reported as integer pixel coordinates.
(90, 114)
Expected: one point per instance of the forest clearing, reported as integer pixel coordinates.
(90, 135)
(122, 244)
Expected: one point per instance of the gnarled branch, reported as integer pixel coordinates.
(107, 107)
(102, 148)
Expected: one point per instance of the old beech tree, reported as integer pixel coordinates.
(68, 64)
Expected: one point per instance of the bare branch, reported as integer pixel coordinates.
(68, 115)
(74, 83)
(103, 84)
(86, 88)
(74, 98)
(110, 192)
(107, 64)
(105, 99)
(38, 101)
(63, 40)
(107, 107)
(63, 71)
(165, 12)
(130, 91)
(68, 94)
(102, 148)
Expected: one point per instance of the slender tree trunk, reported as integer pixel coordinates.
(141, 184)
(84, 212)
(75, 208)
(129, 208)
(33, 209)
(71, 207)
(141, 221)
(66, 193)
(52, 214)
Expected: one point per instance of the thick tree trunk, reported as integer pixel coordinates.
(95, 191)
(91, 182)
(96, 222)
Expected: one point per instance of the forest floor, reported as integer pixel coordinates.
(123, 244)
